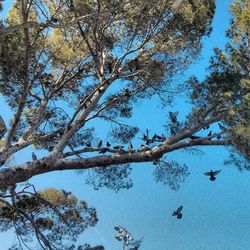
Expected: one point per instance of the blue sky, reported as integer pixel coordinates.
(215, 215)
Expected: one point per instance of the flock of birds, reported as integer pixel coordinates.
(212, 174)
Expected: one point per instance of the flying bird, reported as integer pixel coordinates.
(178, 213)
(212, 174)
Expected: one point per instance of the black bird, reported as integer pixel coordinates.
(154, 138)
(172, 132)
(130, 146)
(118, 147)
(212, 174)
(193, 137)
(218, 137)
(178, 213)
(109, 67)
(54, 20)
(99, 144)
(173, 117)
(88, 144)
(103, 150)
(34, 157)
(210, 133)
(108, 144)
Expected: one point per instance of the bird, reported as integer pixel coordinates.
(118, 147)
(210, 133)
(53, 19)
(218, 137)
(212, 174)
(178, 213)
(109, 67)
(99, 144)
(173, 117)
(221, 127)
(130, 146)
(193, 137)
(34, 157)
(88, 144)
(103, 151)
(108, 144)
(172, 132)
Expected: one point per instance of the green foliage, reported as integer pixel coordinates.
(228, 85)
(58, 215)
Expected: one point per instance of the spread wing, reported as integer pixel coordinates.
(207, 173)
(216, 172)
(179, 209)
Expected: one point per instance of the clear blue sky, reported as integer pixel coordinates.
(215, 215)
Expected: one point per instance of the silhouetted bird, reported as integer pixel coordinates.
(99, 144)
(88, 144)
(34, 157)
(103, 150)
(118, 147)
(130, 146)
(178, 213)
(109, 67)
(212, 174)
(172, 117)
(53, 19)
(108, 144)
(221, 127)
(193, 137)
(154, 138)
(210, 133)
(218, 137)
(172, 131)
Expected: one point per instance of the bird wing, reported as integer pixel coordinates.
(179, 209)
(207, 173)
(216, 172)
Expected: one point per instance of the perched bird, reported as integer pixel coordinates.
(103, 150)
(54, 20)
(34, 157)
(118, 147)
(99, 144)
(221, 127)
(218, 137)
(172, 132)
(108, 144)
(212, 174)
(130, 146)
(193, 137)
(88, 144)
(178, 213)
(210, 133)
(109, 67)
(173, 117)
